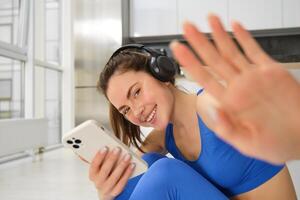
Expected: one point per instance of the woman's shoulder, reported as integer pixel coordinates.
(205, 105)
(155, 142)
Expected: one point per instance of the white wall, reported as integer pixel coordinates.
(294, 168)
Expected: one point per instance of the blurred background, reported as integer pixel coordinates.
(51, 54)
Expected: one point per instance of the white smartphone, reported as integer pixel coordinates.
(89, 137)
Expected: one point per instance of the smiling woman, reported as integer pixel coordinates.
(133, 66)
(140, 96)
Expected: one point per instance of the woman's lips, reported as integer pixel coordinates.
(151, 116)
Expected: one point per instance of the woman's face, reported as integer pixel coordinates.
(141, 98)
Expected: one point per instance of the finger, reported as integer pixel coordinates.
(192, 65)
(226, 46)
(96, 163)
(123, 181)
(109, 163)
(118, 171)
(253, 51)
(207, 52)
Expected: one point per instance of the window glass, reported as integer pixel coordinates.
(11, 88)
(52, 37)
(9, 21)
(53, 105)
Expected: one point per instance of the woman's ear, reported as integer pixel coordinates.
(167, 83)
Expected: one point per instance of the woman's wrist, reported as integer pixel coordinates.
(103, 197)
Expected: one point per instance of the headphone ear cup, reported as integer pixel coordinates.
(163, 68)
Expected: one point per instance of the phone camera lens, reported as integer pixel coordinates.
(77, 141)
(69, 142)
(75, 146)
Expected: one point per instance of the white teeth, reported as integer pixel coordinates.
(150, 117)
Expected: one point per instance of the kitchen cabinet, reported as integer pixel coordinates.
(256, 14)
(158, 18)
(152, 18)
(196, 11)
(291, 13)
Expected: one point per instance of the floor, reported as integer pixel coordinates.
(60, 175)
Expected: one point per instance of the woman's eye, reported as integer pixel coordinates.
(137, 92)
(126, 110)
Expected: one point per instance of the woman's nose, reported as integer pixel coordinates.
(138, 112)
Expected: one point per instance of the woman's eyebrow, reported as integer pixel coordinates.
(128, 95)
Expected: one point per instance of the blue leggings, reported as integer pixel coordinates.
(169, 179)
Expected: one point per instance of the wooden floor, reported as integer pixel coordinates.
(62, 176)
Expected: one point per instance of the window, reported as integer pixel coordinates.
(30, 43)
(48, 70)
(9, 21)
(12, 57)
(53, 105)
(11, 88)
(52, 37)
(48, 100)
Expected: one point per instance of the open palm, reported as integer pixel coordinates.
(259, 111)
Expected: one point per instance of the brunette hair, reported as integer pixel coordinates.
(126, 60)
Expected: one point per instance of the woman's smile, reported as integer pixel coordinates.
(150, 118)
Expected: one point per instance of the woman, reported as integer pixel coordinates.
(138, 97)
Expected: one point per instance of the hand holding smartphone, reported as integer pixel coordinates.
(89, 137)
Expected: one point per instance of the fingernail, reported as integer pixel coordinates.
(187, 23)
(173, 44)
(235, 24)
(211, 15)
(103, 150)
(132, 165)
(186, 27)
(116, 150)
(212, 113)
(127, 157)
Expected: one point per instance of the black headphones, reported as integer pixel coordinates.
(160, 66)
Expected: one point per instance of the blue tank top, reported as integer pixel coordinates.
(230, 171)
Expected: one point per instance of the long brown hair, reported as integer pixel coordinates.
(126, 60)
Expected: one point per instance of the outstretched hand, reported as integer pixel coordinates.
(259, 110)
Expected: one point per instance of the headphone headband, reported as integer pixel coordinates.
(134, 46)
(161, 66)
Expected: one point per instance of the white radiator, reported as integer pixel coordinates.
(18, 135)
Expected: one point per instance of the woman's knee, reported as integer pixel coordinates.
(169, 165)
(157, 181)
(165, 170)
(173, 179)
